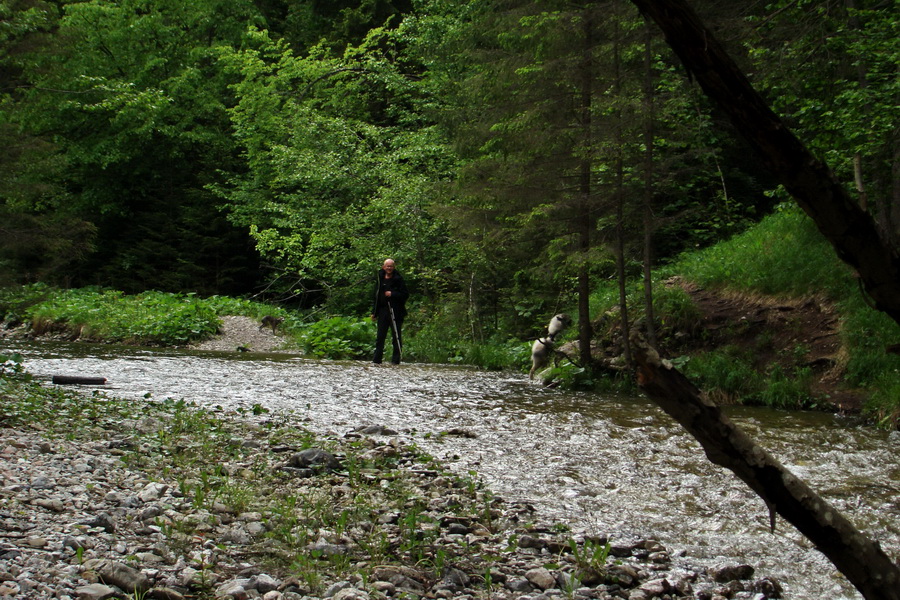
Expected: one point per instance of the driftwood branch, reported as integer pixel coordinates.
(858, 242)
(862, 561)
(78, 380)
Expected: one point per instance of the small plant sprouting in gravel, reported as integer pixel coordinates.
(377, 509)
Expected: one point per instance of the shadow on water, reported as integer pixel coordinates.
(599, 464)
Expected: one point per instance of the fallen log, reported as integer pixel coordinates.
(861, 560)
(78, 380)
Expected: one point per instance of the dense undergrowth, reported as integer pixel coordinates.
(166, 319)
(783, 256)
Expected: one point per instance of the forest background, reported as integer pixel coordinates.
(516, 158)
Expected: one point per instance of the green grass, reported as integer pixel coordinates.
(337, 338)
(158, 318)
(109, 315)
(783, 256)
(442, 336)
(150, 318)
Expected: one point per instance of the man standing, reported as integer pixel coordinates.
(389, 311)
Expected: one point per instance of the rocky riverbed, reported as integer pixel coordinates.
(238, 333)
(102, 498)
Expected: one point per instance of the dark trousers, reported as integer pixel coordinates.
(384, 325)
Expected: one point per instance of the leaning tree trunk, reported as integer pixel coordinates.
(861, 560)
(858, 242)
(850, 230)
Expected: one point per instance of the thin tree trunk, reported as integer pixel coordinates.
(585, 332)
(473, 310)
(649, 224)
(620, 203)
(858, 177)
(895, 186)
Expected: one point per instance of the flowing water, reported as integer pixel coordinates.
(602, 465)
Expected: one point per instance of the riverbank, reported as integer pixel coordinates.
(243, 334)
(103, 498)
(738, 347)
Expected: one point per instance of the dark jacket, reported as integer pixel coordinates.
(397, 287)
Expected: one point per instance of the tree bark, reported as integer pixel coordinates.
(850, 230)
(585, 221)
(862, 561)
(858, 242)
(649, 220)
(618, 168)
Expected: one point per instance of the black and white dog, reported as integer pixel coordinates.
(543, 347)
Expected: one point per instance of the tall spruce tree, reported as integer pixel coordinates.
(541, 120)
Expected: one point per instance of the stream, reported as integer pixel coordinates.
(610, 465)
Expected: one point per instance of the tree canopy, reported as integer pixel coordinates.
(498, 149)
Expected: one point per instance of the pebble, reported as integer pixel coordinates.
(78, 523)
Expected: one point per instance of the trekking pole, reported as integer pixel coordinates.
(396, 331)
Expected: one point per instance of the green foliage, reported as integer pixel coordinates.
(788, 391)
(784, 255)
(120, 118)
(591, 555)
(571, 377)
(867, 334)
(340, 175)
(11, 366)
(883, 404)
(492, 355)
(16, 300)
(338, 338)
(832, 71)
(148, 318)
(439, 335)
(675, 309)
(430, 344)
(731, 379)
(443, 336)
(728, 378)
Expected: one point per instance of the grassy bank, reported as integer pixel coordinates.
(166, 319)
(783, 256)
(786, 257)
